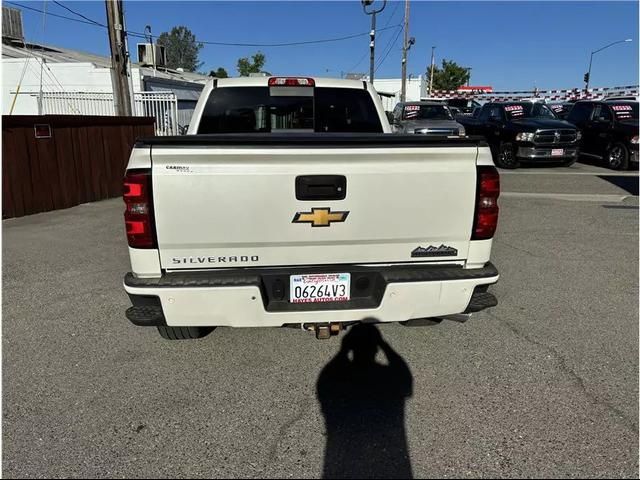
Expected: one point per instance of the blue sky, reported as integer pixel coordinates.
(509, 45)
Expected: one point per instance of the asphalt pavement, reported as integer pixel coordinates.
(543, 385)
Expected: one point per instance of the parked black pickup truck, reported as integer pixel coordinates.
(609, 129)
(524, 131)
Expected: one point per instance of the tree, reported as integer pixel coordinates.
(246, 66)
(450, 77)
(219, 73)
(182, 48)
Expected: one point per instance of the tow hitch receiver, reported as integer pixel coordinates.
(323, 330)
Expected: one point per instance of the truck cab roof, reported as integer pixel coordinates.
(264, 82)
(423, 102)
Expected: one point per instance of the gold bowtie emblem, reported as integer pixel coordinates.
(320, 217)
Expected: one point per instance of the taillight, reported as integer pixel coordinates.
(488, 190)
(291, 82)
(138, 216)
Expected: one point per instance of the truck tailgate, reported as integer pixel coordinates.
(221, 206)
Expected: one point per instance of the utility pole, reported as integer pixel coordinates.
(119, 78)
(132, 90)
(372, 34)
(405, 48)
(42, 60)
(433, 65)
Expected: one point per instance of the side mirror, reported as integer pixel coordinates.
(390, 117)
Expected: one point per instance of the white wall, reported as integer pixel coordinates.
(56, 77)
(394, 85)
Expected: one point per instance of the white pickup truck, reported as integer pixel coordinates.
(290, 203)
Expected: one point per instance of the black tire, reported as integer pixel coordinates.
(506, 157)
(184, 333)
(617, 156)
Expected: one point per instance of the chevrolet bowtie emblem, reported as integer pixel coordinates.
(320, 217)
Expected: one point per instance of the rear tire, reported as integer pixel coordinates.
(506, 157)
(617, 156)
(184, 333)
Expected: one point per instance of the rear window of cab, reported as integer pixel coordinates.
(265, 109)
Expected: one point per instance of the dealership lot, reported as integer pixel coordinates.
(545, 384)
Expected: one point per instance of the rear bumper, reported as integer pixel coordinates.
(544, 153)
(259, 297)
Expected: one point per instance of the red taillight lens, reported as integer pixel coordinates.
(486, 216)
(291, 82)
(138, 216)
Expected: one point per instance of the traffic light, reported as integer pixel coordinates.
(586, 78)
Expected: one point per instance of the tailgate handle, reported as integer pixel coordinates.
(321, 187)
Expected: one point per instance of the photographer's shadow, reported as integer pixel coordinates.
(363, 405)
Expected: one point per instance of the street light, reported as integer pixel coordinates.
(372, 44)
(587, 76)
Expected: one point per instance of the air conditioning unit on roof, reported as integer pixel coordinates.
(12, 24)
(152, 54)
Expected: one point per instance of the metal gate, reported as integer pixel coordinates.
(162, 106)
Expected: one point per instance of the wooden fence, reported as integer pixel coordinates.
(82, 161)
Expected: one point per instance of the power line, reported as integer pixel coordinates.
(89, 21)
(290, 44)
(49, 13)
(393, 14)
(395, 10)
(395, 40)
(358, 63)
(78, 14)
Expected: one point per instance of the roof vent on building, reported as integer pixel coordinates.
(12, 24)
(152, 54)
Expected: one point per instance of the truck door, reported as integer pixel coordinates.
(478, 125)
(600, 128)
(580, 116)
(493, 125)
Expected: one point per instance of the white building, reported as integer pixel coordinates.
(28, 69)
(390, 88)
(39, 79)
(415, 89)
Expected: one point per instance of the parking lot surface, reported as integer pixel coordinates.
(543, 385)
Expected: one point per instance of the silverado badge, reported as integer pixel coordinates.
(431, 251)
(320, 217)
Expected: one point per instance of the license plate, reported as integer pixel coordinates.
(557, 152)
(321, 287)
